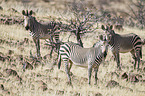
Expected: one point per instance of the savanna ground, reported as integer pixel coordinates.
(44, 78)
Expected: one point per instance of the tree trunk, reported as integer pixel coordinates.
(79, 38)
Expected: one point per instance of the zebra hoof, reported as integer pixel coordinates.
(95, 83)
(139, 69)
(39, 57)
(68, 83)
(119, 68)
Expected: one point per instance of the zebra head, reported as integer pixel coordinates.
(103, 43)
(28, 19)
(109, 32)
(102, 39)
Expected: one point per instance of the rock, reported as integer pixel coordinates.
(1, 8)
(144, 69)
(98, 94)
(77, 94)
(11, 72)
(112, 84)
(10, 52)
(2, 87)
(42, 85)
(26, 1)
(2, 58)
(1, 75)
(46, 0)
(59, 92)
(124, 76)
(131, 78)
(13, 10)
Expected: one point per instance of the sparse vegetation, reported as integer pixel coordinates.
(83, 21)
(138, 13)
(21, 75)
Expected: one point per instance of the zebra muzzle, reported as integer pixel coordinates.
(27, 27)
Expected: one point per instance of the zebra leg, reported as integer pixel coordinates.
(70, 64)
(138, 58)
(134, 57)
(96, 78)
(116, 54)
(67, 70)
(37, 44)
(52, 46)
(89, 73)
(56, 36)
(51, 51)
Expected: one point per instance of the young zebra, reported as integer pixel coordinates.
(83, 57)
(40, 31)
(124, 43)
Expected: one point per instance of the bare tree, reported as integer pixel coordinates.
(83, 21)
(138, 11)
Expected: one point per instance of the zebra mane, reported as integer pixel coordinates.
(105, 54)
(112, 32)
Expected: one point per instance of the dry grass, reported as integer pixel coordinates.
(46, 73)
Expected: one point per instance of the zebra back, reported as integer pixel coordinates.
(81, 55)
(41, 30)
(123, 42)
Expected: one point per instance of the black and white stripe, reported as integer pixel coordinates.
(124, 43)
(39, 30)
(83, 57)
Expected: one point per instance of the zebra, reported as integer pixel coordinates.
(83, 57)
(39, 30)
(124, 43)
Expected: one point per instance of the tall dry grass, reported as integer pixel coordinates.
(47, 71)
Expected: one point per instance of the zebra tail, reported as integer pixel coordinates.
(59, 61)
(141, 53)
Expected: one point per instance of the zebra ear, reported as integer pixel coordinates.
(111, 27)
(30, 12)
(23, 12)
(103, 27)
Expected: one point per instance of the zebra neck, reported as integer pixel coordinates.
(112, 42)
(102, 56)
(105, 54)
(34, 26)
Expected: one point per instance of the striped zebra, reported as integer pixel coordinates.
(39, 30)
(124, 43)
(90, 58)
